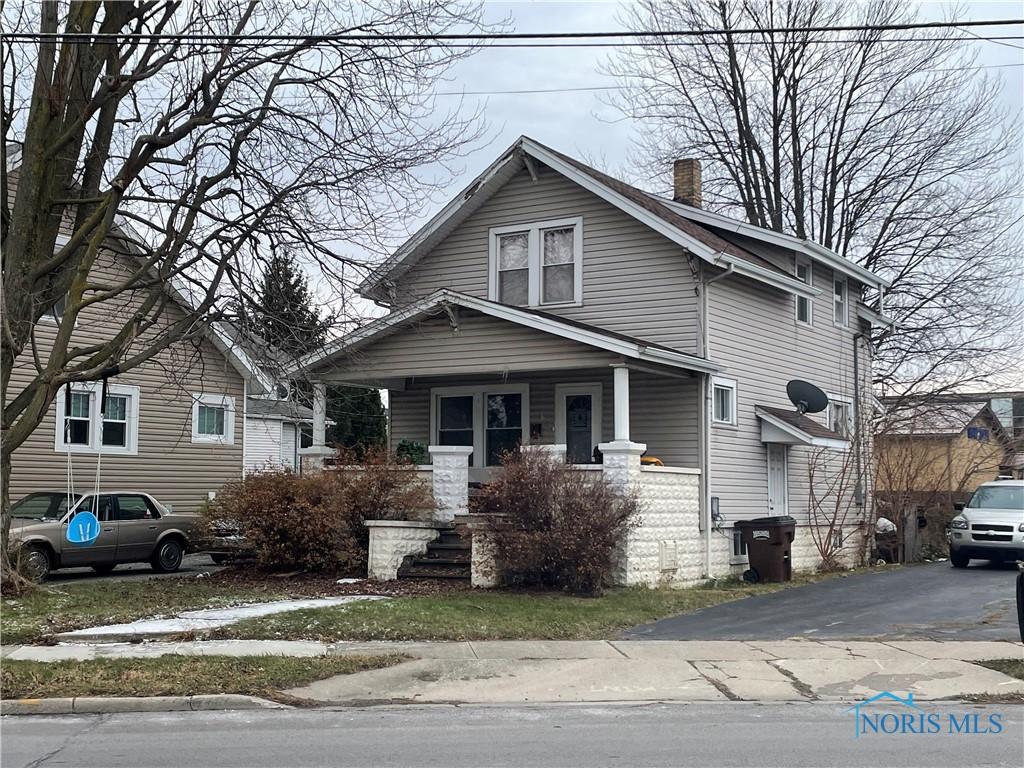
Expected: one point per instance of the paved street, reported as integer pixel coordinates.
(190, 566)
(706, 735)
(932, 601)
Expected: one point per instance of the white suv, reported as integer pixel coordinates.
(990, 526)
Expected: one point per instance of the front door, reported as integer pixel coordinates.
(778, 503)
(578, 421)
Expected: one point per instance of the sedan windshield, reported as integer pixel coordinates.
(42, 506)
(998, 497)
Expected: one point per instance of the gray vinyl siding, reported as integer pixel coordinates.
(634, 280)
(168, 464)
(482, 344)
(663, 410)
(755, 337)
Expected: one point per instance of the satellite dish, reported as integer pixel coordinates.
(806, 397)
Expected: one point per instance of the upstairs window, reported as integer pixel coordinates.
(804, 308)
(840, 306)
(840, 416)
(539, 264)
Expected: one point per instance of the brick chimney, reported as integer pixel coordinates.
(686, 182)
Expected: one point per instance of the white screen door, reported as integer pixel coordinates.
(777, 490)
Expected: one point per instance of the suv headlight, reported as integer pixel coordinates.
(958, 522)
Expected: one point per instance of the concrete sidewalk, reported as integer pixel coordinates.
(603, 671)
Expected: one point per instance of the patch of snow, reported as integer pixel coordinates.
(210, 618)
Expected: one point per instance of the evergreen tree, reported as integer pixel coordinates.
(358, 416)
(284, 312)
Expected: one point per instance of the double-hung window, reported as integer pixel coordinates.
(538, 264)
(84, 426)
(491, 420)
(840, 415)
(213, 419)
(723, 401)
(840, 301)
(804, 307)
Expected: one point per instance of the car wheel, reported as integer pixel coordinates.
(168, 555)
(958, 559)
(36, 562)
(104, 568)
(751, 575)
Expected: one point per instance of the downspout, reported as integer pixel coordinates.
(245, 420)
(705, 420)
(858, 490)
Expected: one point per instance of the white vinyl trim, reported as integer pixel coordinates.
(784, 430)
(479, 395)
(214, 401)
(595, 390)
(95, 389)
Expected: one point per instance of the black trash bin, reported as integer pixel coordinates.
(768, 541)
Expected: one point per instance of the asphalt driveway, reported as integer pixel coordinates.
(932, 601)
(191, 565)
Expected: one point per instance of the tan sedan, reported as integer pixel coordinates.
(134, 527)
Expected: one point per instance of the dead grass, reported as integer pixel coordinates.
(264, 676)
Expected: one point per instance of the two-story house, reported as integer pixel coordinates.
(549, 303)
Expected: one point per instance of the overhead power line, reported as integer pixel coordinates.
(348, 37)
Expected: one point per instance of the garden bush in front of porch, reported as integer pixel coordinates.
(314, 522)
(552, 526)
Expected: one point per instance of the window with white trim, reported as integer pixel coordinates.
(539, 264)
(84, 427)
(213, 419)
(804, 307)
(723, 401)
(840, 301)
(490, 419)
(840, 415)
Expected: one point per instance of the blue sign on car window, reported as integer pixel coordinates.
(83, 529)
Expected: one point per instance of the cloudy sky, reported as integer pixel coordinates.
(580, 122)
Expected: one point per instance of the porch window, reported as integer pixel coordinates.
(538, 264)
(455, 422)
(491, 420)
(504, 425)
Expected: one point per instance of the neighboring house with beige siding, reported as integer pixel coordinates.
(549, 303)
(173, 426)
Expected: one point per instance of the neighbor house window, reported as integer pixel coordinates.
(723, 401)
(83, 426)
(840, 306)
(56, 313)
(840, 416)
(491, 420)
(537, 264)
(213, 419)
(804, 308)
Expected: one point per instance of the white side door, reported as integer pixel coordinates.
(778, 491)
(289, 443)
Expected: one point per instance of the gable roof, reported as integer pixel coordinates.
(442, 300)
(940, 419)
(785, 425)
(677, 223)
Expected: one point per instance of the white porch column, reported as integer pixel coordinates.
(312, 458)
(319, 414)
(621, 386)
(451, 480)
(621, 470)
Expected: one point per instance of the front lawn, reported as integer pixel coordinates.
(495, 615)
(264, 676)
(1011, 667)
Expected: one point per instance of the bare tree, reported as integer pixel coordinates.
(176, 138)
(889, 147)
(831, 503)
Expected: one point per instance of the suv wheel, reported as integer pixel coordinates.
(36, 562)
(168, 555)
(958, 559)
